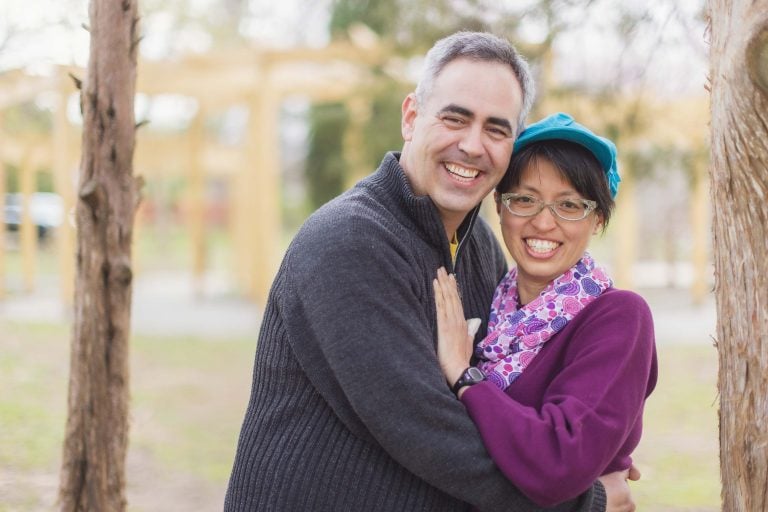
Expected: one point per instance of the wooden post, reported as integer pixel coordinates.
(700, 214)
(62, 175)
(262, 191)
(2, 225)
(3, 228)
(27, 229)
(625, 232)
(196, 200)
(359, 110)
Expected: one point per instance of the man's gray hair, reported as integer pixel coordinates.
(479, 46)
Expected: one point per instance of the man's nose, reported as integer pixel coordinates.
(471, 142)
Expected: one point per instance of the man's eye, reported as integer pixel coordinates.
(453, 121)
(499, 133)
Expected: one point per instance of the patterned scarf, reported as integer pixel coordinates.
(515, 335)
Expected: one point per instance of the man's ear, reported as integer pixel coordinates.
(409, 114)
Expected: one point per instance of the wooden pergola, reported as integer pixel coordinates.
(260, 80)
(257, 79)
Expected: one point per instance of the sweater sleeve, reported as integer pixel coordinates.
(590, 408)
(355, 316)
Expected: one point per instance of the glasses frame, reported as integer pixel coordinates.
(589, 205)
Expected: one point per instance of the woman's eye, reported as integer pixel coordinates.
(571, 205)
(524, 200)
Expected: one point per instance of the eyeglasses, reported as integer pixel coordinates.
(524, 205)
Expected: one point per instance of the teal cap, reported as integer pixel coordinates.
(561, 126)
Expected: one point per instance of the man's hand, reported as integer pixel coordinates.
(618, 495)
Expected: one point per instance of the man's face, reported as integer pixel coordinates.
(458, 143)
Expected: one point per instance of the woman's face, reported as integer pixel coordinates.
(544, 246)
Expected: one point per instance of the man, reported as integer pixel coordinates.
(349, 410)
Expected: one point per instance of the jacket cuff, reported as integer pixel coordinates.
(599, 499)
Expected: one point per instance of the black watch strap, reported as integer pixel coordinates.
(469, 377)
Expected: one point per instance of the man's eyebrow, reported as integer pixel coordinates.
(500, 121)
(457, 109)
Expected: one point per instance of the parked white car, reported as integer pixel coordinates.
(46, 211)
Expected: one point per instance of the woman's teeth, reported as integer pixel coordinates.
(541, 245)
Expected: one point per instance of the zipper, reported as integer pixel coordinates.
(467, 232)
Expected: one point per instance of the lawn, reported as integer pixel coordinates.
(188, 397)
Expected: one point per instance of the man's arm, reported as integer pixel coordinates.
(355, 316)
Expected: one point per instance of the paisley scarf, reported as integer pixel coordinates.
(515, 335)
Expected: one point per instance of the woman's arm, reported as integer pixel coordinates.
(552, 452)
(590, 410)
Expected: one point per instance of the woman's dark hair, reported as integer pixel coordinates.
(576, 164)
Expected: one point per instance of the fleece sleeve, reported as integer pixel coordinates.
(556, 451)
(355, 315)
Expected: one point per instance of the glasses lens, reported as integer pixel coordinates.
(572, 209)
(523, 205)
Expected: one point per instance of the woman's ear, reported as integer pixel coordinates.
(599, 224)
(497, 200)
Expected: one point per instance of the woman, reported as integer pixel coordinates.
(568, 359)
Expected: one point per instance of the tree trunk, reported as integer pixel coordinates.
(739, 95)
(93, 466)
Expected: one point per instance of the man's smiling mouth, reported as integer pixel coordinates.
(465, 173)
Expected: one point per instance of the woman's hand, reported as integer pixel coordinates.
(454, 344)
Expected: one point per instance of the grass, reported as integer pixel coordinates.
(188, 397)
(678, 454)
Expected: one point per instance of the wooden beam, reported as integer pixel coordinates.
(17, 87)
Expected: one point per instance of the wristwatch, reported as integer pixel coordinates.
(470, 377)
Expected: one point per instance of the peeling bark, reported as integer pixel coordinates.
(739, 173)
(93, 465)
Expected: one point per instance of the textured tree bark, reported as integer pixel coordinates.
(93, 465)
(739, 108)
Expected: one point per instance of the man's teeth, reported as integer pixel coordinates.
(462, 172)
(541, 245)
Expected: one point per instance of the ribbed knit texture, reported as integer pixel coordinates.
(349, 410)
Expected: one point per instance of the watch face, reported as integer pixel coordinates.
(475, 374)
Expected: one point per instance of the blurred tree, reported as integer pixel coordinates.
(96, 440)
(739, 108)
(326, 167)
(410, 27)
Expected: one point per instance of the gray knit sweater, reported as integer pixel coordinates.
(349, 410)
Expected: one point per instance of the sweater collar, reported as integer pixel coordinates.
(391, 177)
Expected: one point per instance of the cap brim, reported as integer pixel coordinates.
(598, 146)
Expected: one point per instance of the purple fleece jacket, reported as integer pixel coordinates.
(576, 412)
